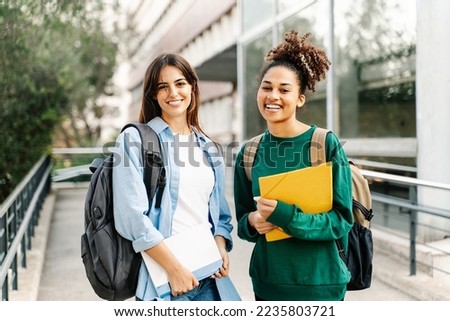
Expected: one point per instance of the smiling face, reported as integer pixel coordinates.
(279, 95)
(174, 94)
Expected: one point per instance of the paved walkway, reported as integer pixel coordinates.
(56, 252)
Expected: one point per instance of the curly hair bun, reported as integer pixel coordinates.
(311, 61)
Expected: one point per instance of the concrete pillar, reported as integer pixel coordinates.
(433, 106)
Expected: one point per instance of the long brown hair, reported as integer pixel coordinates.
(150, 107)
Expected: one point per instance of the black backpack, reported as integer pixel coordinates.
(110, 262)
(359, 255)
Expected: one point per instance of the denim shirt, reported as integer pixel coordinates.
(146, 228)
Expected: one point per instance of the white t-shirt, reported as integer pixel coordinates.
(196, 184)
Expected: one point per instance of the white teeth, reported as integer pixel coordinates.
(273, 107)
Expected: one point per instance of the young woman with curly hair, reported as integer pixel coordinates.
(305, 266)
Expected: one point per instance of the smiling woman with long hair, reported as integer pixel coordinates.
(195, 188)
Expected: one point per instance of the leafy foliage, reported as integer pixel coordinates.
(56, 62)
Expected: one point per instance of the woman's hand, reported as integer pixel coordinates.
(257, 219)
(259, 223)
(225, 268)
(265, 206)
(181, 281)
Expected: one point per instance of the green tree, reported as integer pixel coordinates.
(56, 62)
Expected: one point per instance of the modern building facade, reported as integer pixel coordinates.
(205, 33)
(372, 98)
(369, 94)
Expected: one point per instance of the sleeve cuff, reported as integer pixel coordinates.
(245, 231)
(227, 236)
(282, 215)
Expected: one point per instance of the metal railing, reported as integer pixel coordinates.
(409, 206)
(82, 156)
(19, 214)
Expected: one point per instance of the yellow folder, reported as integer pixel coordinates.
(310, 188)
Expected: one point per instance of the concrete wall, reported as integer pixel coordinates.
(433, 103)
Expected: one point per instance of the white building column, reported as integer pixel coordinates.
(433, 105)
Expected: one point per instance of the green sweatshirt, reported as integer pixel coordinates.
(306, 266)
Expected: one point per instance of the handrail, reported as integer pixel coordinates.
(18, 216)
(20, 187)
(71, 172)
(409, 181)
(80, 150)
(380, 165)
(410, 204)
(404, 204)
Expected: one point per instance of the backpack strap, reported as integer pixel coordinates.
(251, 147)
(154, 170)
(318, 156)
(317, 150)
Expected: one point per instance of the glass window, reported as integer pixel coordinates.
(307, 20)
(253, 60)
(313, 18)
(286, 5)
(256, 11)
(375, 68)
(314, 112)
(387, 111)
(374, 63)
(300, 22)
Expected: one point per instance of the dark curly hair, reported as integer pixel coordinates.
(310, 63)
